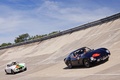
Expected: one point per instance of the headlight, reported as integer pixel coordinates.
(92, 59)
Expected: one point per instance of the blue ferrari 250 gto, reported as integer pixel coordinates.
(86, 56)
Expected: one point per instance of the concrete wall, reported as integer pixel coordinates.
(103, 35)
(82, 27)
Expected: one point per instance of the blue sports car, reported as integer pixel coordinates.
(86, 56)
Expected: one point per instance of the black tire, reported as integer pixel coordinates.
(12, 72)
(69, 65)
(107, 59)
(6, 72)
(25, 69)
(86, 62)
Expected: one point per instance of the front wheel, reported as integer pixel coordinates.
(107, 59)
(12, 72)
(86, 63)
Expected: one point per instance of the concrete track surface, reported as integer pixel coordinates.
(45, 59)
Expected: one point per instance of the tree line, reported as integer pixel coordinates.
(27, 37)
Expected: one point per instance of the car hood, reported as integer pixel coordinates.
(11, 67)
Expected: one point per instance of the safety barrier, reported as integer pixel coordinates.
(82, 27)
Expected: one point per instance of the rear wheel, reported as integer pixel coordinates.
(25, 69)
(87, 63)
(6, 72)
(69, 65)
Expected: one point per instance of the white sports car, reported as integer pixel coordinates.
(15, 67)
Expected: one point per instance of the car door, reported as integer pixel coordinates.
(74, 60)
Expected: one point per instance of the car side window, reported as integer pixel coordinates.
(72, 55)
(8, 65)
